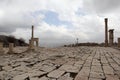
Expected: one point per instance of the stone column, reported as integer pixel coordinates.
(32, 32)
(106, 32)
(111, 37)
(1, 47)
(11, 45)
(31, 44)
(119, 42)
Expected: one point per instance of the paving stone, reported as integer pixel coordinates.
(112, 77)
(22, 77)
(22, 69)
(95, 79)
(87, 64)
(78, 66)
(96, 69)
(110, 60)
(105, 64)
(34, 73)
(70, 68)
(34, 79)
(96, 64)
(115, 66)
(83, 74)
(44, 78)
(97, 75)
(81, 78)
(65, 77)
(6, 68)
(47, 68)
(70, 62)
(56, 73)
(59, 61)
(117, 73)
(104, 61)
(79, 62)
(117, 60)
(108, 70)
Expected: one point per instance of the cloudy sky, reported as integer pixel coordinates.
(59, 22)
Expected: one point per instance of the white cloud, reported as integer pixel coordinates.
(16, 17)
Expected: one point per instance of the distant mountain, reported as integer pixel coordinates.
(11, 39)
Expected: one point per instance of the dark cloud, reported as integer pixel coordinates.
(9, 24)
(102, 6)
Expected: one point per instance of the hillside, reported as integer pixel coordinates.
(11, 39)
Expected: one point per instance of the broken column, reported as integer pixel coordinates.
(31, 44)
(111, 37)
(11, 45)
(106, 32)
(1, 47)
(119, 42)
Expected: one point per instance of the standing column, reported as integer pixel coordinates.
(32, 31)
(111, 37)
(106, 32)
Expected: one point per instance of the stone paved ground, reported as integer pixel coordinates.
(76, 63)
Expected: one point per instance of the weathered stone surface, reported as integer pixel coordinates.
(22, 69)
(56, 73)
(96, 69)
(70, 68)
(108, 70)
(47, 68)
(6, 68)
(94, 79)
(65, 77)
(83, 74)
(79, 63)
(36, 73)
(22, 77)
(112, 77)
(97, 75)
(81, 78)
(44, 78)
